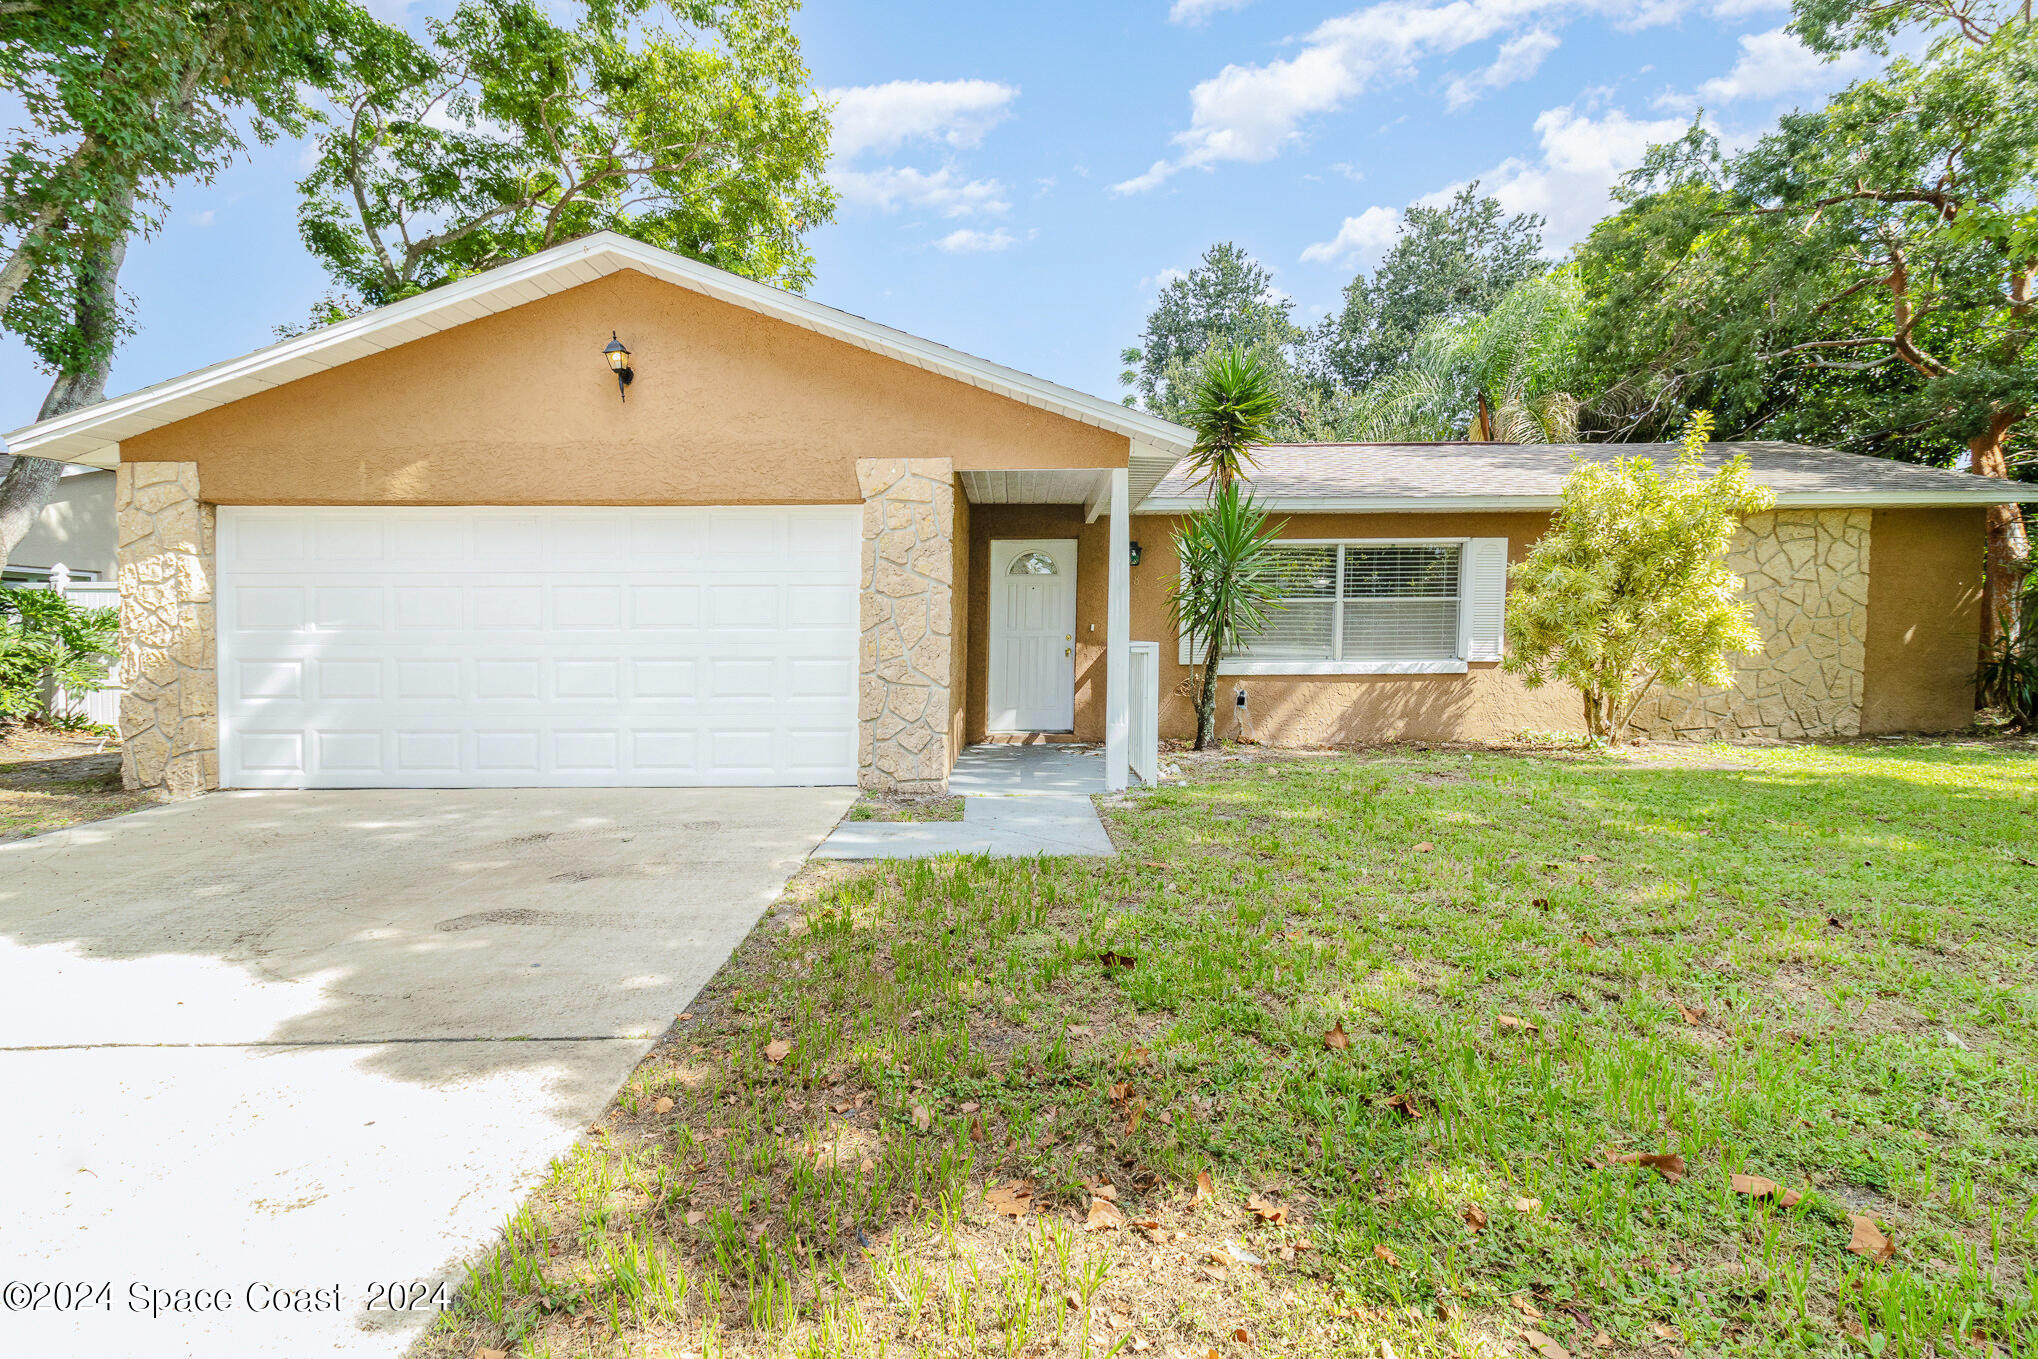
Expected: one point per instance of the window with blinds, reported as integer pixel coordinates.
(1361, 602)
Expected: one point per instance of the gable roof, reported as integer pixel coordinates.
(1492, 476)
(92, 435)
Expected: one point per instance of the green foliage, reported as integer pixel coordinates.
(1448, 264)
(1518, 363)
(46, 640)
(1226, 589)
(1233, 407)
(1228, 301)
(2008, 675)
(1630, 586)
(119, 100)
(693, 126)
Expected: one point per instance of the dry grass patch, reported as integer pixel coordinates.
(53, 779)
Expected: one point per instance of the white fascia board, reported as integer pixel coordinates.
(84, 433)
(2010, 492)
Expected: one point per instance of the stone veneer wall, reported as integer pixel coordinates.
(169, 714)
(1807, 578)
(908, 619)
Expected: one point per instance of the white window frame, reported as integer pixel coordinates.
(1273, 665)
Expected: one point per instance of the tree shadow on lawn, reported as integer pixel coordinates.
(1818, 969)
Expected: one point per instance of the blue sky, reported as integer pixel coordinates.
(1017, 180)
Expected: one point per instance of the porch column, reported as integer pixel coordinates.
(169, 712)
(908, 620)
(1118, 639)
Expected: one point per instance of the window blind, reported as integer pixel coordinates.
(1361, 602)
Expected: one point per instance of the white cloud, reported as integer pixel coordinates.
(952, 113)
(1583, 157)
(1518, 59)
(1252, 113)
(946, 191)
(1741, 9)
(1360, 238)
(1776, 63)
(1196, 11)
(968, 242)
(204, 219)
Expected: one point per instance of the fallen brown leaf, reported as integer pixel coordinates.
(1516, 1023)
(1204, 1189)
(1663, 1330)
(1139, 1344)
(1589, 942)
(1014, 1199)
(663, 1105)
(486, 1353)
(1242, 1336)
(1104, 1189)
(1337, 1040)
(1690, 1015)
(1790, 1198)
(1602, 1341)
(1525, 1204)
(1475, 1217)
(1406, 1105)
(1588, 858)
(1668, 1164)
(868, 1165)
(1112, 959)
(1424, 848)
(1754, 1186)
(923, 1117)
(1266, 1210)
(696, 1218)
(776, 1052)
(1104, 1217)
(1391, 1260)
(1121, 1092)
(1543, 1345)
(1526, 1308)
(1869, 1239)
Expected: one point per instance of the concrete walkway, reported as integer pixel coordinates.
(284, 1041)
(1017, 802)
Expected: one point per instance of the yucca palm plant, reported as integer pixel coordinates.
(1227, 587)
(1232, 408)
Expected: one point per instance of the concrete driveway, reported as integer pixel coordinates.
(267, 1046)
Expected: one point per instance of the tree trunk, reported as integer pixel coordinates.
(1206, 700)
(29, 481)
(2008, 548)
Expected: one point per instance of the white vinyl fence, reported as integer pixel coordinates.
(103, 705)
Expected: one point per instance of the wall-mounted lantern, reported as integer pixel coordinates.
(1134, 546)
(618, 355)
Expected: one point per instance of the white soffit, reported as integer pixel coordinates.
(91, 436)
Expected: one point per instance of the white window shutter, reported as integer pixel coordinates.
(1485, 599)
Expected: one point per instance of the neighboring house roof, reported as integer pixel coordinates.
(92, 435)
(1493, 476)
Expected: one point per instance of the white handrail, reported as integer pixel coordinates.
(1144, 698)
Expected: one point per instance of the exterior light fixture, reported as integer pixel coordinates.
(618, 355)
(1134, 546)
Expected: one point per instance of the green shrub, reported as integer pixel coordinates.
(2009, 666)
(46, 640)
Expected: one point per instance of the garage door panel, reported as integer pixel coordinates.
(494, 647)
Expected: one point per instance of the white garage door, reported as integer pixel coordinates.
(486, 647)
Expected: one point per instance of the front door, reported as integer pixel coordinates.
(1033, 635)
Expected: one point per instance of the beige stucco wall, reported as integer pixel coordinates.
(1806, 575)
(1870, 624)
(1924, 619)
(1483, 704)
(729, 408)
(75, 528)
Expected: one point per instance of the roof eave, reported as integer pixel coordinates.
(1980, 498)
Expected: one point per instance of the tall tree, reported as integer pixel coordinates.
(693, 126)
(1881, 249)
(120, 99)
(1228, 301)
(1448, 263)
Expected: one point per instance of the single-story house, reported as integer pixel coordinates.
(74, 531)
(608, 516)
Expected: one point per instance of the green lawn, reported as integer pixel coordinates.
(1815, 965)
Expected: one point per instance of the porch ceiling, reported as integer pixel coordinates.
(1148, 465)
